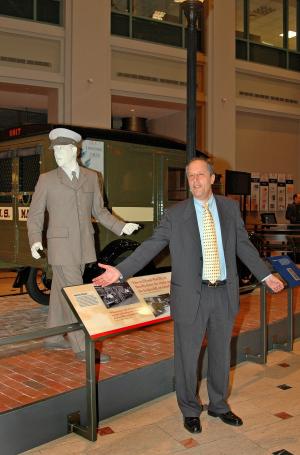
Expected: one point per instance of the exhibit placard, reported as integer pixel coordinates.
(92, 155)
(281, 205)
(255, 178)
(287, 269)
(121, 306)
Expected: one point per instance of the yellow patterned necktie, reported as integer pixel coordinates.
(211, 260)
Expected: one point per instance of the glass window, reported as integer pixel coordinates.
(48, 11)
(17, 8)
(157, 32)
(39, 10)
(158, 21)
(239, 18)
(266, 22)
(292, 33)
(29, 171)
(161, 10)
(5, 175)
(120, 6)
(120, 24)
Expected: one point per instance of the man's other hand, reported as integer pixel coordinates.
(34, 250)
(111, 275)
(129, 228)
(274, 283)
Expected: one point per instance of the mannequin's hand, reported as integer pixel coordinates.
(34, 250)
(129, 228)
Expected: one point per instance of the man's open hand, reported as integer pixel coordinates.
(274, 283)
(111, 275)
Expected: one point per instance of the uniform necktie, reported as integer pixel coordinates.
(74, 179)
(211, 260)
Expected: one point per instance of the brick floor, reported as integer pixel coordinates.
(29, 373)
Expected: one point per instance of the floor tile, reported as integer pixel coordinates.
(282, 433)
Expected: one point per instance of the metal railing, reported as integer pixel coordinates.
(287, 345)
(90, 430)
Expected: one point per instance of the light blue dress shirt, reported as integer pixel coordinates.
(214, 211)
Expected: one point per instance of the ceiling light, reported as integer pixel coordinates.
(291, 34)
(181, 1)
(158, 15)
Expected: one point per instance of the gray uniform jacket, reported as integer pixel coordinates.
(179, 229)
(70, 233)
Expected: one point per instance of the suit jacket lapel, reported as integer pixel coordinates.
(223, 221)
(82, 177)
(66, 181)
(191, 223)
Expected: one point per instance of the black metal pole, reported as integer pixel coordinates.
(192, 10)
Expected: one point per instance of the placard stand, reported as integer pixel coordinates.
(105, 312)
(261, 356)
(90, 430)
(288, 344)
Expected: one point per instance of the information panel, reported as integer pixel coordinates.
(126, 305)
(287, 269)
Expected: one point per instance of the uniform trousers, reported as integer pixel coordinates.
(59, 311)
(216, 320)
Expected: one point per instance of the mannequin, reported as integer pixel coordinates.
(71, 196)
(66, 158)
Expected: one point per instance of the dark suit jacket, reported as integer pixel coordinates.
(179, 230)
(291, 213)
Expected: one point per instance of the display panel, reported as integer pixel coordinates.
(122, 306)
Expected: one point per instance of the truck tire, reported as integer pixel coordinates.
(37, 287)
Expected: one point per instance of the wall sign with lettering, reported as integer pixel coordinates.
(6, 213)
(23, 213)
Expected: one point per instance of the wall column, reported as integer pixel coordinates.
(87, 63)
(220, 80)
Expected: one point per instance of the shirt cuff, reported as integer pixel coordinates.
(266, 277)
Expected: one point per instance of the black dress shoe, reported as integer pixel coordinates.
(227, 417)
(192, 424)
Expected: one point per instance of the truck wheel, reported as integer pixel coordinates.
(37, 286)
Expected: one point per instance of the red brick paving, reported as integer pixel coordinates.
(30, 373)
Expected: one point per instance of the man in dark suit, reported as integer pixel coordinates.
(204, 291)
(291, 210)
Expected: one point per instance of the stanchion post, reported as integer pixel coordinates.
(287, 344)
(91, 388)
(290, 316)
(90, 430)
(263, 324)
(261, 356)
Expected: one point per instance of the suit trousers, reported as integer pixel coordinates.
(59, 311)
(216, 320)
